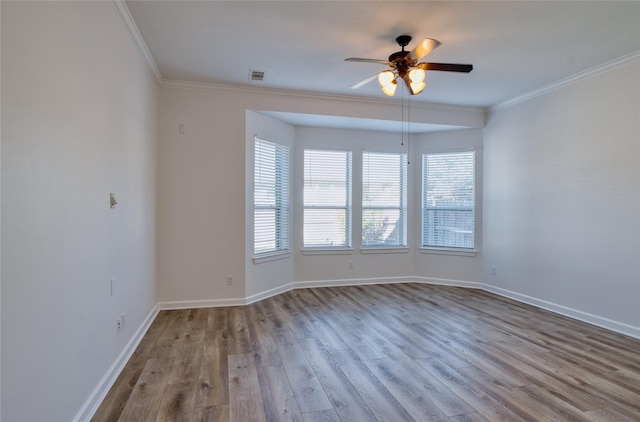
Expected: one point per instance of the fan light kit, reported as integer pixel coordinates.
(404, 65)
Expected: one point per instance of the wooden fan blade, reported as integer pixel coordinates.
(357, 59)
(425, 47)
(364, 82)
(446, 67)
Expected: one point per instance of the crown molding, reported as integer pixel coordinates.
(593, 71)
(125, 17)
(237, 88)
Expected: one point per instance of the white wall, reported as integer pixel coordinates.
(270, 275)
(314, 268)
(562, 199)
(437, 267)
(370, 265)
(202, 196)
(78, 122)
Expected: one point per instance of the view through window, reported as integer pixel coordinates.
(448, 200)
(271, 197)
(384, 199)
(327, 199)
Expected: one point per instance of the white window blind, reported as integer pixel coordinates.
(384, 199)
(327, 198)
(448, 200)
(271, 197)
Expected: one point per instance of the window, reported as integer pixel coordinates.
(448, 200)
(384, 199)
(327, 199)
(271, 198)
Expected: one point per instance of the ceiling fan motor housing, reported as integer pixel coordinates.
(400, 62)
(400, 59)
(403, 41)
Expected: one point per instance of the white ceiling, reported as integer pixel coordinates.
(514, 46)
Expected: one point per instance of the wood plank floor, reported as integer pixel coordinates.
(401, 352)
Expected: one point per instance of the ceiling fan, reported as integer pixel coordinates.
(404, 65)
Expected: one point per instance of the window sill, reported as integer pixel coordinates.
(272, 256)
(327, 251)
(449, 251)
(384, 249)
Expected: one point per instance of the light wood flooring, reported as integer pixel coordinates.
(400, 352)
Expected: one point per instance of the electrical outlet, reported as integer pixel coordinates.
(118, 325)
(229, 280)
(493, 270)
(351, 265)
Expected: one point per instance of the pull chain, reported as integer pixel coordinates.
(408, 126)
(409, 132)
(402, 118)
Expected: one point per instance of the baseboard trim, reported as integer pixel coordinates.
(592, 319)
(352, 282)
(606, 323)
(206, 303)
(93, 402)
(98, 394)
(449, 282)
(269, 293)
(213, 303)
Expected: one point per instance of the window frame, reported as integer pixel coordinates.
(282, 201)
(347, 247)
(402, 208)
(448, 249)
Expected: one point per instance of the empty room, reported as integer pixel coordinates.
(319, 211)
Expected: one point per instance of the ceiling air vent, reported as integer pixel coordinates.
(256, 75)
